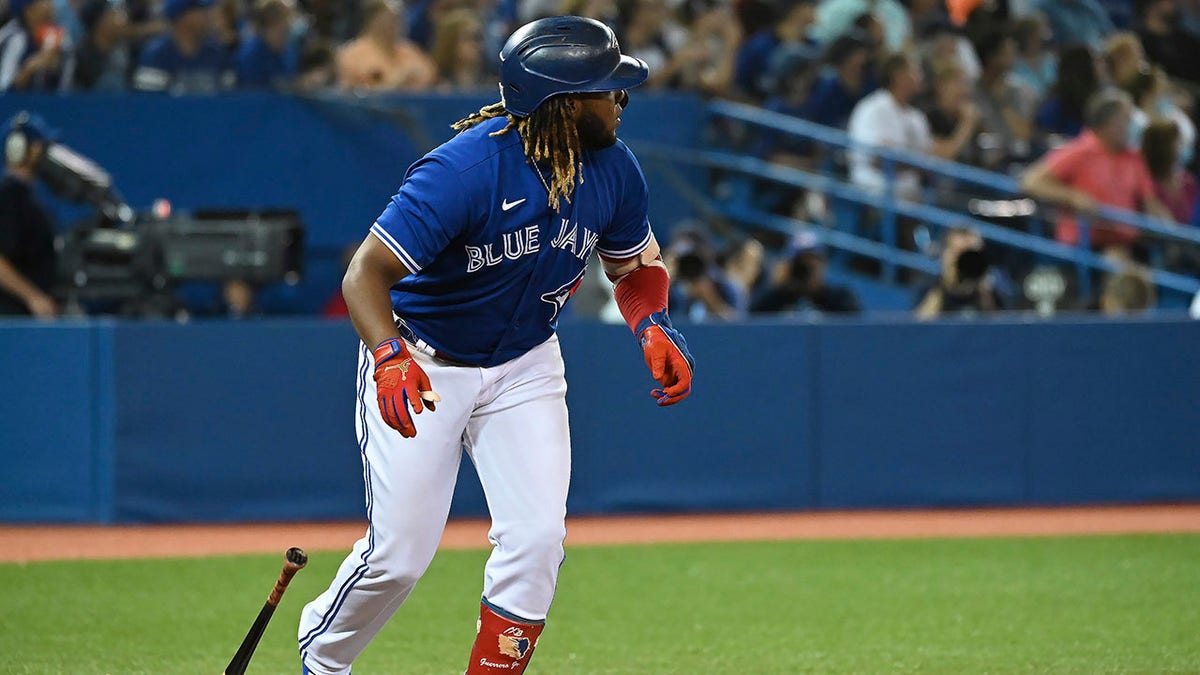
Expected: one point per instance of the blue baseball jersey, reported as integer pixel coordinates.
(493, 264)
(260, 66)
(162, 67)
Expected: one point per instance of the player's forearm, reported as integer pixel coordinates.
(369, 300)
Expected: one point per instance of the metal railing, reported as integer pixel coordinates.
(890, 206)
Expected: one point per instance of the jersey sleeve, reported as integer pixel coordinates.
(629, 233)
(431, 208)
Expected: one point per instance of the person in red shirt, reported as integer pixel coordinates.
(1098, 167)
(1173, 184)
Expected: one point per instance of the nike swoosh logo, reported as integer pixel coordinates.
(506, 205)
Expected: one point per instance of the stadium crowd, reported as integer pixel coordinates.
(1090, 102)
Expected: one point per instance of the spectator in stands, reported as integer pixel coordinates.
(34, 55)
(145, 22)
(105, 59)
(1123, 57)
(189, 59)
(870, 28)
(960, 11)
(789, 30)
(924, 15)
(379, 59)
(954, 241)
(227, 24)
(837, 17)
(1079, 79)
(944, 44)
(1006, 108)
(743, 267)
(699, 288)
(458, 51)
(705, 62)
(1174, 186)
(317, 68)
(1150, 90)
(953, 116)
(967, 293)
(422, 16)
(789, 85)
(1076, 21)
(27, 257)
(955, 290)
(605, 11)
(262, 59)
(799, 283)
(1121, 12)
(1125, 293)
(1036, 66)
(845, 81)
(888, 118)
(651, 34)
(1166, 42)
(1098, 167)
(1189, 17)
(333, 21)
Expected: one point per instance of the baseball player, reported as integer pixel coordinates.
(457, 289)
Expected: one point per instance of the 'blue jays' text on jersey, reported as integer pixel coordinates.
(492, 263)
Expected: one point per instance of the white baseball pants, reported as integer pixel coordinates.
(512, 421)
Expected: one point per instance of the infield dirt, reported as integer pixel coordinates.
(28, 543)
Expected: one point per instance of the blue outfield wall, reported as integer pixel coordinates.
(228, 421)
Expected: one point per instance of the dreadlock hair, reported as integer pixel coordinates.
(550, 137)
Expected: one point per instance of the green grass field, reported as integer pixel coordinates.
(1064, 605)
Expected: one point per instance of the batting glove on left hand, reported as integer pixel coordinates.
(668, 358)
(400, 382)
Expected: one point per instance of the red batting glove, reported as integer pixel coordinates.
(399, 383)
(668, 358)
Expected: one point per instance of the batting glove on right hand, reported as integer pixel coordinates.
(400, 382)
(668, 358)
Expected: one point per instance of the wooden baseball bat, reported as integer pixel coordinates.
(294, 560)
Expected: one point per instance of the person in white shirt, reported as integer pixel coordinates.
(888, 118)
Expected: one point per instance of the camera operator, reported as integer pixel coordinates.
(700, 288)
(27, 256)
(964, 287)
(798, 283)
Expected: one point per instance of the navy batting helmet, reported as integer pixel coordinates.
(563, 55)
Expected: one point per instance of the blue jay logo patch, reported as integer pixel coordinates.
(559, 296)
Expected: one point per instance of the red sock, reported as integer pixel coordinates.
(502, 645)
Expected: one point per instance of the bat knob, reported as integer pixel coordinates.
(296, 556)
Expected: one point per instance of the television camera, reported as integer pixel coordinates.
(131, 263)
